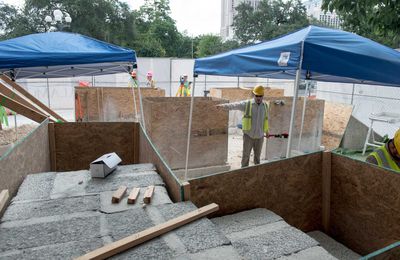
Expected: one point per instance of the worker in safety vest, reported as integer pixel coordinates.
(254, 124)
(150, 81)
(184, 87)
(388, 155)
(134, 81)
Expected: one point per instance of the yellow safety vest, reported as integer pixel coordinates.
(384, 159)
(246, 120)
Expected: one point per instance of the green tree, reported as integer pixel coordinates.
(268, 20)
(211, 44)
(378, 20)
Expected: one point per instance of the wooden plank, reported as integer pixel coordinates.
(52, 147)
(186, 191)
(21, 109)
(31, 97)
(117, 196)
(150, 233)
(4, 196)
(148, 194)
(15, 96)
(133, 196)
(326, 190)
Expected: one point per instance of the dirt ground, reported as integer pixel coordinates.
(7, 136)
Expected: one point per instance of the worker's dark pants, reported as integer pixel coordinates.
(248, 144)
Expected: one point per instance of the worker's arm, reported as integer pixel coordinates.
(241, 105)
(371, 159)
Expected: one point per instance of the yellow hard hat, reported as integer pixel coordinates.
(258, 90)
(396, 140)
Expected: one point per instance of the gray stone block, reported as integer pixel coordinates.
(160, 197)
(68, 184)
(114, 181)
(134, 168)
(217, 253)
(34, 234)
(245, 220)
(36, 186)
(333, 247)
(257, 231)
(198, 235)
(153, 249)
(36, 209)
(69, 250)
(274, 244)
(313, 253)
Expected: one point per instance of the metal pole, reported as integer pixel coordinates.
(170, 77)
(48, 91)
(352, 93)
(295, 95)
(189, 128)
(205, 85)
(303, 115)
(15, 124)
(238, 82)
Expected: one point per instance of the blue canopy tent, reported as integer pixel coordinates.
(313, 53)
(61, 54)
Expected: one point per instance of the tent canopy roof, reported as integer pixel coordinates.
(61, 54)
(328, 55)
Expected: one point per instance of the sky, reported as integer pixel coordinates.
(195, 16)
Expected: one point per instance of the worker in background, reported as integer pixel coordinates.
(388, 155)
(183, 90)
(133, 82)
(150, 81)
(254, 124)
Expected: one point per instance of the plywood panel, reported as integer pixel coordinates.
(336, 118)
(149, 154)
(31, 155)
(365, 205)
(292, 188)
(167, 125)
(112, 104)
(78, 144)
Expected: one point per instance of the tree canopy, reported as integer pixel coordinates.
(268, 20)
(377, 20)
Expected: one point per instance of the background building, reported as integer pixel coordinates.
(227, 14)
(327, 18)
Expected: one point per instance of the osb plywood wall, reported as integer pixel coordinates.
(291, 188)
(365, 205)
(279, 122)
(148, 154)
(31, 155)
(166, 121)
(112, 104)
(76, 145)
(236, 94)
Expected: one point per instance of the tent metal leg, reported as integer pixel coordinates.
(189, 128)
(295, 96)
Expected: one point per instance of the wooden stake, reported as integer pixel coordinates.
(4, 195)
(117, 196)
(133, 196)
(31, 97)
(148, 194)
(150, 233)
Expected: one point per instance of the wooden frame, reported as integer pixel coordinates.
(22, 109)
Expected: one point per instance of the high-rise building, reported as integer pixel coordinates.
(314, 10)
(228, 12)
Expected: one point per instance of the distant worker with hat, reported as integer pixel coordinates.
(254, 124)
(150, 83)
(134, 81)
(184, 87)
(388, 155)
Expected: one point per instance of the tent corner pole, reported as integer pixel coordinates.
(189, 128)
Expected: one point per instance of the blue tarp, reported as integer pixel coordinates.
(61, 54)
(328, 55)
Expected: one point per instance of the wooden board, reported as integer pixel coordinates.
(336, 118)
(150, 233)
(112, 103)
(78, 144)
(4, 197)
(22, 109)
(167, 125)
(148, 154)
(365, 205)
(118, 194)
(148, 194)
(133, 195)
(292, 188)
(31, 97)
(31, 155)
